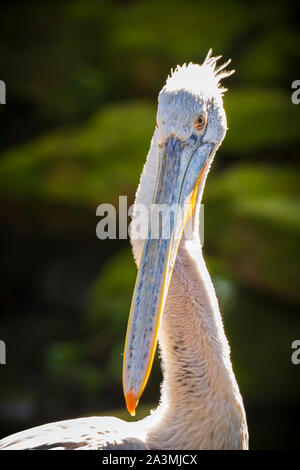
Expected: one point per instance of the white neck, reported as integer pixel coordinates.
(201, 407)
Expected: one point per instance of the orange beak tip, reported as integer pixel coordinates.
(131, 402)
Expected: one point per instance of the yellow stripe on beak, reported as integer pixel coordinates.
(181, 169)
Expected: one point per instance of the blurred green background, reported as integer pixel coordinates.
(82, 83)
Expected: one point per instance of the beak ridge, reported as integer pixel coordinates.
(181, 168)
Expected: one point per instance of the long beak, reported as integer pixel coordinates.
(181, 168)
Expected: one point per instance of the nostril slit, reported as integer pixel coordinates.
(193, 138)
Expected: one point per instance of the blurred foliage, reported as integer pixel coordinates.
(262, 119)
(72, 166)
(258, 206)
(82, 80)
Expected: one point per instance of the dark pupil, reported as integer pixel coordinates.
(200, 120)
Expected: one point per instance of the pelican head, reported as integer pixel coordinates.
(190, 126)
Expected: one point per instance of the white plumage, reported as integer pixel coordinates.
(201, 406)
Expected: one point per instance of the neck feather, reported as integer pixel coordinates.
(201, 406)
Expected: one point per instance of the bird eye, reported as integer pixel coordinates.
(200, 122)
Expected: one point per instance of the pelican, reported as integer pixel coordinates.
(174, 299)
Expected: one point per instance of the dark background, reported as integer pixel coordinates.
(82, 83)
